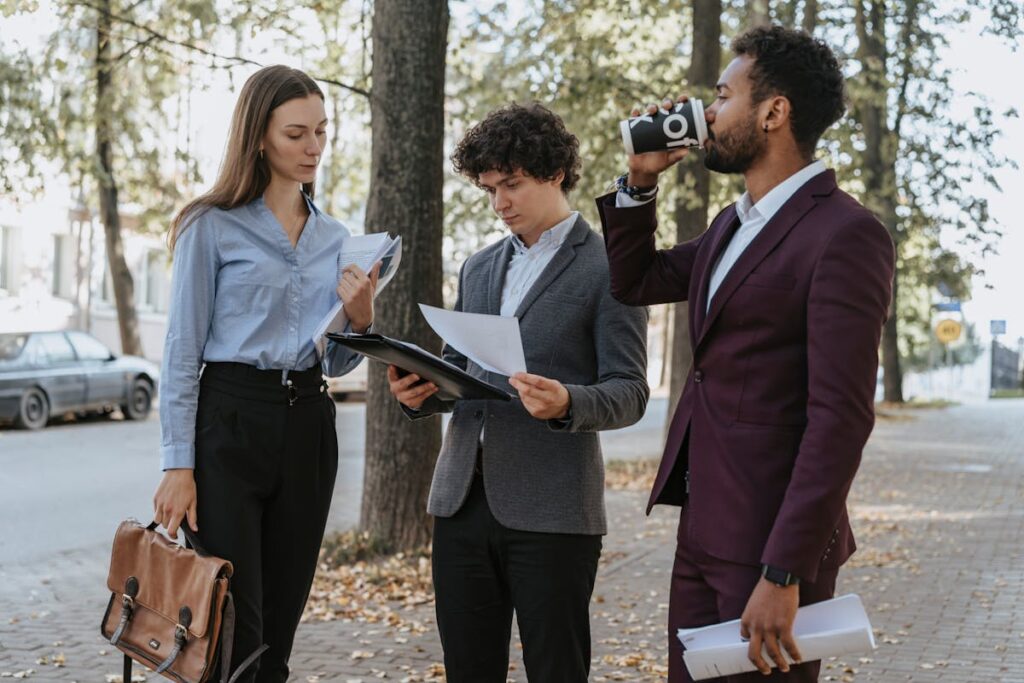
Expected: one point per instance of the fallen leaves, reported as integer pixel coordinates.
(382, 590)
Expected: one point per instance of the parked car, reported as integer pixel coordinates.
(46, 374)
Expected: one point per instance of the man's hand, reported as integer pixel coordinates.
(175, 500)
(403, 389)
(543, 398)
(645, 168)
(768, 620)
(356, 289)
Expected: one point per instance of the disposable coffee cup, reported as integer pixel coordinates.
(681, 126)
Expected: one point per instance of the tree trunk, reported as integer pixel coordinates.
(120, 276)
(758, 14)
(407, 108)
(691, 209)
(892, 373)
(879, 169)
(810, 18)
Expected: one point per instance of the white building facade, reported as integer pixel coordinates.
(54, 273)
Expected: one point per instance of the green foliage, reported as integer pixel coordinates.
(25, 126)
(590, 61)
(935, 159)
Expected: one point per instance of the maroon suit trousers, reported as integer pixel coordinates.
(706, 590)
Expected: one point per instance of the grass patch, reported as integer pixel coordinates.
(630, 475)
(1008, 393)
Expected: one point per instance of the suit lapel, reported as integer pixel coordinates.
(725, 228)
(559, 262)
(771, 234)
(499, 267)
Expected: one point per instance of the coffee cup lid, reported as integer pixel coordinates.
(627, 138)
(699, 122)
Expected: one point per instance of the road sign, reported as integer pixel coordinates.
(997, 326)
(948, 331)
(948, 306)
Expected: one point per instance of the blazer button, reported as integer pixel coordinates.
(698, 376)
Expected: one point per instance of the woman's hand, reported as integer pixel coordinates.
(174, 500)
(405, 389)
(644, 169)
(356, 289)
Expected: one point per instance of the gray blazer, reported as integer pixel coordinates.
(541, 475)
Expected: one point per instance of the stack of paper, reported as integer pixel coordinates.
(491, 341)
(363, 251)
(826, 629)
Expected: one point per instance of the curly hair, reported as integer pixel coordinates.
(804, 70)
(532, 139)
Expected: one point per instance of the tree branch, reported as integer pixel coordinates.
(133, 48)
(906, 65)
(155, 35)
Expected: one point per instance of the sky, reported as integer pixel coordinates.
(981, 64)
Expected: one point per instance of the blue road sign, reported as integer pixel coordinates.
(997, 327)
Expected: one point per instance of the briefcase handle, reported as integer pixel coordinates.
(190, 538)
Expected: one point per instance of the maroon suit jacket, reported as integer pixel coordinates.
(779, 401)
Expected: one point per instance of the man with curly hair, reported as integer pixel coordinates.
(518, 490)
(788, 288)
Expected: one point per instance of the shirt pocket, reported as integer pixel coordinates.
(245, 299)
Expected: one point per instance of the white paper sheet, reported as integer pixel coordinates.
(826, 629)
(491, 341)
(363, 251)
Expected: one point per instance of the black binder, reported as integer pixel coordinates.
(452, 382)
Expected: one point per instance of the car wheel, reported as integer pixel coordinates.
(34, 411)
(140, 401)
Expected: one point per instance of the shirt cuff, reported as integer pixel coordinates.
(178, 456)
(624, 201)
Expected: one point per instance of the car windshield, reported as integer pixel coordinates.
(11, 345)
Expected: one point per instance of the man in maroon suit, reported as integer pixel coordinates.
(788, 291)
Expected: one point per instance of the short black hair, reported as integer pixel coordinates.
(802, 69)
(529, 138)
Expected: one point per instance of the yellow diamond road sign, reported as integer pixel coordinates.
(948, 331)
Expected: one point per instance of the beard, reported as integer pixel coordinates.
(736, 150)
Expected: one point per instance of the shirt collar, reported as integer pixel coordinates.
(552, 238)
(313, 211)
(769, 204)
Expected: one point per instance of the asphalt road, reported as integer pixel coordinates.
(63, 490)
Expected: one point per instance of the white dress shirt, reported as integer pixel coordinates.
(529, 262)
(752, 219)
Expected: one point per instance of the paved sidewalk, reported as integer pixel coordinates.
(939, 511)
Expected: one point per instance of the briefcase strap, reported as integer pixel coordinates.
(227, 640)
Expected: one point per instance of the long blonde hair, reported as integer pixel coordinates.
(244, 174)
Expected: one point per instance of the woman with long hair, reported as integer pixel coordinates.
(249, 448)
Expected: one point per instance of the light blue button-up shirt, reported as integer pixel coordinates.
(241, 293)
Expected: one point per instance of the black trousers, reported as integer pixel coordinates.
(484, 571)
(266, 459)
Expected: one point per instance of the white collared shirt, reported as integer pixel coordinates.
(529, 262)
(754, 217)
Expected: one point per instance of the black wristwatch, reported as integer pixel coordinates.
(780, 577)
(634, 191)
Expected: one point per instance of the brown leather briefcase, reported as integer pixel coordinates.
(170, 607)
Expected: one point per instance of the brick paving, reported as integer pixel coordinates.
(939, 511)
